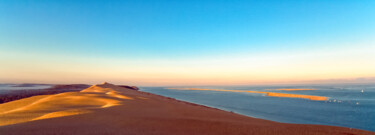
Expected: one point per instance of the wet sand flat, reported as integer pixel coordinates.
(272, 94)
(291, 89)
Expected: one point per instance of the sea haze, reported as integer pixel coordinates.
(350, 106)
(5, 88)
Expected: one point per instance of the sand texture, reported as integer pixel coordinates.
(110, 109)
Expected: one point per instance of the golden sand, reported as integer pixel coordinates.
(319, 98)
(108, 109)
(272, 94)
(291, 89)
(60, 105)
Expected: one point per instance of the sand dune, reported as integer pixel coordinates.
(109, 109)
(59, 105)
(272, 94)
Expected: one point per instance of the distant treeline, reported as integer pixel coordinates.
(19, 94)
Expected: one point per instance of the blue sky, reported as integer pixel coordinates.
(167, 30)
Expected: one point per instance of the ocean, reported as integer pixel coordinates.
(350, 106)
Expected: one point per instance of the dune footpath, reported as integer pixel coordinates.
(110, 109)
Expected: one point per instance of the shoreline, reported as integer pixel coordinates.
(147, 113)
(207, 106)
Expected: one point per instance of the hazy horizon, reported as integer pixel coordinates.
(170, 43)
(339, 82)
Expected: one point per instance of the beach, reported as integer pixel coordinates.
(110, 109)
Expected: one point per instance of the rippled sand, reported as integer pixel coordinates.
(59, 105)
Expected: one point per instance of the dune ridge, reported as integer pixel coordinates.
(110, 110)
(11, 95)
(60, 105)
(272, 94)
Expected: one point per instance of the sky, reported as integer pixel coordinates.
(187, 42)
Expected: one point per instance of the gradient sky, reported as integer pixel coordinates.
(187, 42)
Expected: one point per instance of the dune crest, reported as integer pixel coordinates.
(64, 104)
(92, 111)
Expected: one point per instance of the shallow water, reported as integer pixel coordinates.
(347, 106)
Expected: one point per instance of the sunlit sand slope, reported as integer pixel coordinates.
(107, 109)
(59, 105)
